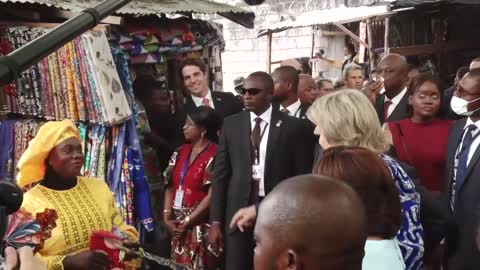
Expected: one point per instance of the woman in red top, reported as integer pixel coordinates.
(421, 140)
(187, 198)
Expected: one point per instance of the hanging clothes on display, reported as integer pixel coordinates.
(130, 186)
(89, 80)
(6, 155)
(107, 81)
(78, 81)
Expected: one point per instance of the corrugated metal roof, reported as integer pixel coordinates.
(404, 3)
(329, 16)
(358, 3)
(144, 7)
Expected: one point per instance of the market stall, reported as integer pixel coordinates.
(89, 80)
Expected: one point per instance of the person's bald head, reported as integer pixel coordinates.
(310, 222)
(285, 79)
(306, 86)
(475, 63)
(394, 70)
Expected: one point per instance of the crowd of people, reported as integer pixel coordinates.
(294, 174)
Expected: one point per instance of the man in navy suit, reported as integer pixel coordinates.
(462, 187)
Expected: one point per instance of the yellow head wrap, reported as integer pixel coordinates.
(32, 165)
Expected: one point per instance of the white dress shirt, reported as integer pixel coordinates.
(264, 125)
(395, 101)
(293, 109)
(199, 100)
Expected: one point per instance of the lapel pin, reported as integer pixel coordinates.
(279, 123)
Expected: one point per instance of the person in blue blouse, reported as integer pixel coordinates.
(348, 118)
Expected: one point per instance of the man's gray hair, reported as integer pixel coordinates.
(351, 67)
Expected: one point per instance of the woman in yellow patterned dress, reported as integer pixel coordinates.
(54, 159)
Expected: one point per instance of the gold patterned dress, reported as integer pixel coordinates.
(87, 207)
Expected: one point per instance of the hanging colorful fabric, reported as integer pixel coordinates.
(6, 154)
(109, 87)
(142, 206)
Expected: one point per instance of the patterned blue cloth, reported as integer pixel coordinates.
(121, 62)
(141, 191)
(410, 235)
(115, 166)
(6, 152)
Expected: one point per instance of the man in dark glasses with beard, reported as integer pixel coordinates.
(258, 148)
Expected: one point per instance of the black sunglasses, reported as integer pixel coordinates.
(251, 91)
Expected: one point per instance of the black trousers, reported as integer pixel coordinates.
(239, 250)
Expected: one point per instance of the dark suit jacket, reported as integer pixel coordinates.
(400, 112)
(462, 251)
(308, 125)
(225, 104)
(288, 155)
(303, 110)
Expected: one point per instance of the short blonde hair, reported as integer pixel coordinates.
(347, 117)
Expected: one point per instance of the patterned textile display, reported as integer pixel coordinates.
(6, 155)
(141, 192)
(109, 87)
(153, 44)
(100, 146)
(79, 81)
(89, 82)
(24, 229)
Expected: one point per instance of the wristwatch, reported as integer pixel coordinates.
(187, 219)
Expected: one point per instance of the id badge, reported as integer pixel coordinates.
(256, 172)
(178, 198)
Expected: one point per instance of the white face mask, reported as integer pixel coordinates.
(460, 106)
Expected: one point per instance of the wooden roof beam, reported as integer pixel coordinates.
(352, 35)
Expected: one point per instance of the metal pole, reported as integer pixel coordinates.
(269, 52)
(387, 35)
(20, 60)
(370, 41)
(312, 52)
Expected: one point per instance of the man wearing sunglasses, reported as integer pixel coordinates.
(194, 73)
(258, 149)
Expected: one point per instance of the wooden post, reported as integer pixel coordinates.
(387, 35)
(370, 41)
(312, 53)
(269, 52)
(352, 35)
